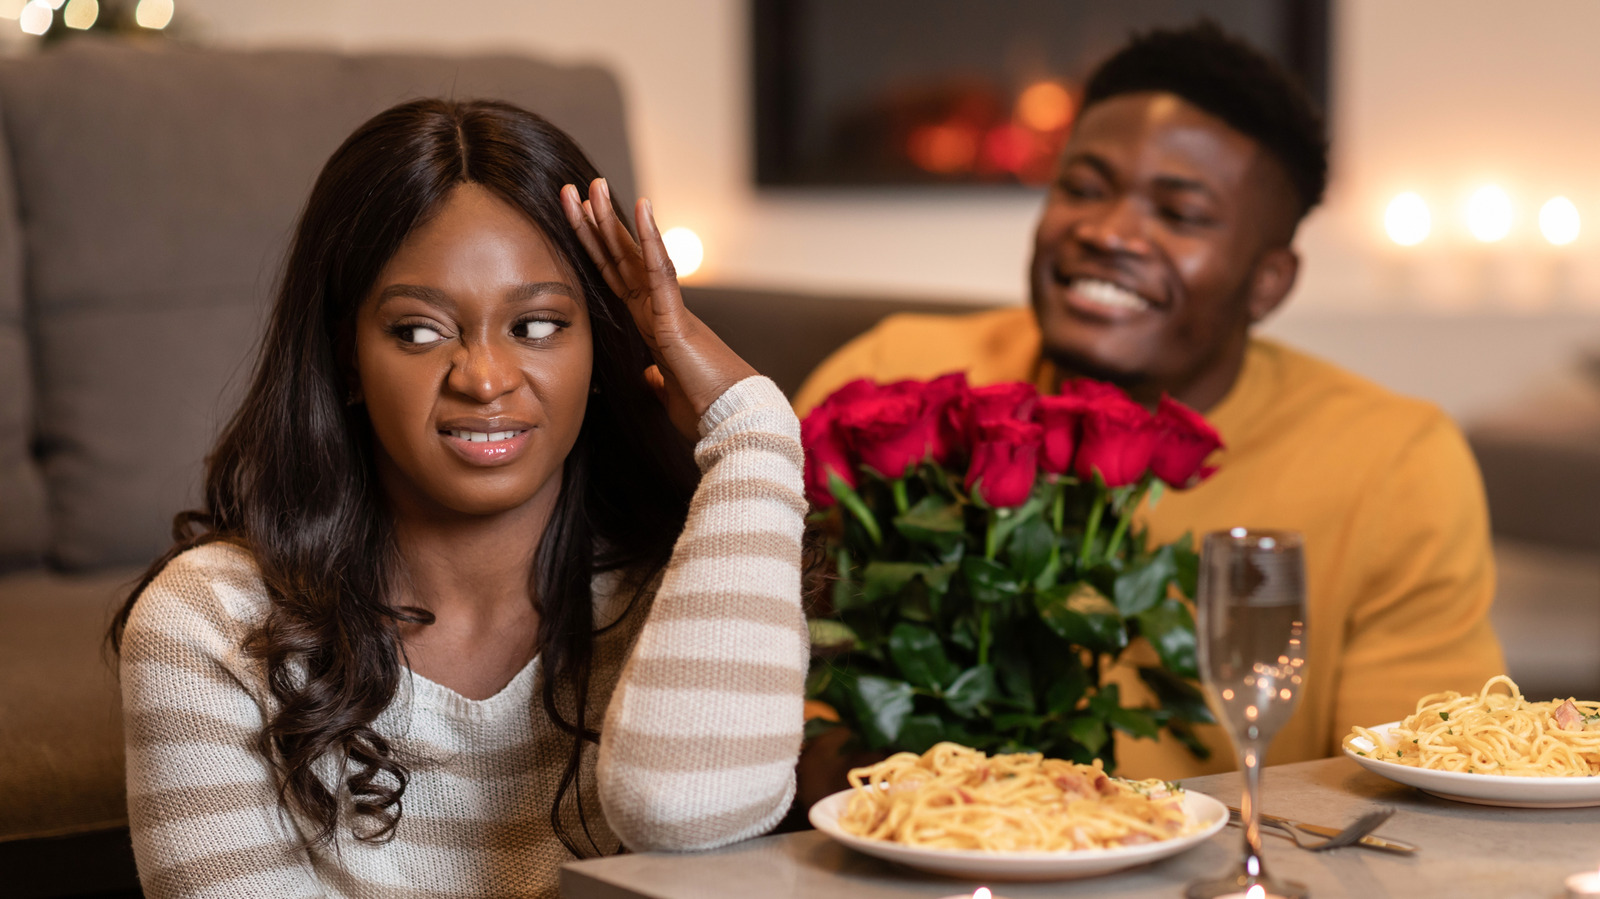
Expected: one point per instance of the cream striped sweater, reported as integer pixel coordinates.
(702, 700)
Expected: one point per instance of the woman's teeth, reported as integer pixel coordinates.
(482, 436)
(1107, 294)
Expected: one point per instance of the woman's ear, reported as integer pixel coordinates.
(1272, 280)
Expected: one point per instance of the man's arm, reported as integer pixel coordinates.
(1420, 623)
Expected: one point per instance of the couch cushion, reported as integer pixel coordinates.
(23, 526)
(60, 714)
(158, 189)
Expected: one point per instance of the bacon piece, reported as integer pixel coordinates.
(1104, 785)
(1568, 717)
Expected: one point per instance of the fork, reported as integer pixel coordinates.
(1306, 840)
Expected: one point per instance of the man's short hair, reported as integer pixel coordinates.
(1229, 79)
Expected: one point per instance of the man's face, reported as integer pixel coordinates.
(1162, 239)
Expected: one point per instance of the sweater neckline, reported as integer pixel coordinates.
(515, 694)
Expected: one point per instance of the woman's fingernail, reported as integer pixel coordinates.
(649, 211)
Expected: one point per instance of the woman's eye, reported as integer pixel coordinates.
(536, 329)
(419, 334)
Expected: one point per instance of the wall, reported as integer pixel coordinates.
(1435, 96)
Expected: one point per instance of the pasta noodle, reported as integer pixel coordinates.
(953, 797)
(1493, 733)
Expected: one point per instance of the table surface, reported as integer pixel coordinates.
(1466, 851)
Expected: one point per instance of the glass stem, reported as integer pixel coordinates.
(1250, 762)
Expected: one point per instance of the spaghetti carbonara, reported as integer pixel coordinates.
(952, 797)
(1493, 732)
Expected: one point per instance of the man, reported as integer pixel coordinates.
(1164, 240)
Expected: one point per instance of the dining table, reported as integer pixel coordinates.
(1464, 850)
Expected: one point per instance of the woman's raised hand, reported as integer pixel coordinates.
(693, 366)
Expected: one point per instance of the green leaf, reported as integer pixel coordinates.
(920, 732)
(881, 579)
(1138, 722)
(919, 654)
(1088, 730)
(1030, 548)
(826, 633)
(1014, 672)
(1082, 616)
(970, 691)
(934, 521)
(1144, 584)
(1170, 629)
(1187, 562)
(988, 580)
(1065, 691)
(850, 499)
(882, 705)
(1008, 520)
(1178, 696)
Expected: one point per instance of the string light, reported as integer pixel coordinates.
(1489, 214)
(1558, 221)
(685, 250)
(153, 14)
(36, 17)
(1407, 220)
(80, 14)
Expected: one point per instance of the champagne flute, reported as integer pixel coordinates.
(1252, 648)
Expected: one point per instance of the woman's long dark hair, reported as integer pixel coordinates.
(292, 477)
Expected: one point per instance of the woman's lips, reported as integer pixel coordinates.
(487, 448)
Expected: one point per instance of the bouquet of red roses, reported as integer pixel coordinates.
(989, 568)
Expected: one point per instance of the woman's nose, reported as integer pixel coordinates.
(1119, 227)
(482, 372)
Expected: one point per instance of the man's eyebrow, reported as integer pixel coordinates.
(1176, 182)
(1101, 167)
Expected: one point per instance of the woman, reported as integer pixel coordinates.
(460, 605)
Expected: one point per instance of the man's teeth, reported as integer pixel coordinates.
(1107, 294)
(483, 436)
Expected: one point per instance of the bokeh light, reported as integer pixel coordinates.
(685, 250)
(36, 17)
(1407, 220)
(1045, 106)
(1489, 214)
(10, 9)
(1559, 221)
(81, 14)
(944, 149)
(154, 14)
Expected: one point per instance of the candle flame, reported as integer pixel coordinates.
(1256, 891)
(982, 893)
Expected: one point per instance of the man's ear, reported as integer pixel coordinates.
(1271, 281)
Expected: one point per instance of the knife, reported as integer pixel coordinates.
(1370, 841)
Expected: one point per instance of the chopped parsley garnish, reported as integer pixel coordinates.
(1445, 716)
(1359, 752)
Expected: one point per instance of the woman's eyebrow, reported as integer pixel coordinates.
(433, 296)
(539, 288)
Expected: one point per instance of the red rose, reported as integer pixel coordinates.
(1183, 441)
(1119, 436)
(1059, 416)
(1011, 401)
(825, 444)
(1005, 461)
(888, 430)
(945, 400)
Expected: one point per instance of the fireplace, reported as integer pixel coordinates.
(863, 93)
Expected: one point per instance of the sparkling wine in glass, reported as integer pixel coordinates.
(1252, 647)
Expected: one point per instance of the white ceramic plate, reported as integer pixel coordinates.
(973, 864)
(1482, 789)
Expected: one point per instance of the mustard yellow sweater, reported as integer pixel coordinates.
(1399, 573)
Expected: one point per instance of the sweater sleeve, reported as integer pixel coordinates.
(202, 804)
(704, 727)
